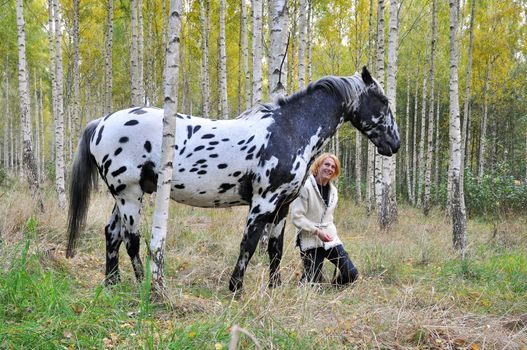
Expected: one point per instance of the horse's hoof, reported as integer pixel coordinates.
(112, 280)
(235, 285)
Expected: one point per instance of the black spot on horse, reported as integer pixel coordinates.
(179, 186)
(225, 140)
(122, 201)
(256, 210)
(99, 135)
(107, 166)
(199, 148)
(210, 148)
(182, 150)
(196, 128)
(207, 136)
(213, 155)
(201, 161)
(202, 192)
(120, 188)
(236, 173)
(148, 178)
(148, 146)
(131, 122)
(105, 158)
(222, 166)
(131, 220)
(123, 139)
(202, 172)
(108, 116)
(249, 157)
(189, 155)
(241, 142)
(250, 139)
(214, 143)
(225, 187)
(181, 170)
(193, 170)
(189, 131)
(117, 151)
(251, 150)
(118, 171)
(243, 148)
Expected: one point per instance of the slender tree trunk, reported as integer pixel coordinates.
(76, 95)
(309, 41)
(422, 138)
(459, 235)
(415, 171)
(430, 150)
(257, 52)
(204, 15)
(370, 170)
(483, 127)
(223, 65)
(42, 133)
(59, 114)
(36, 137)
(140, 53)
(380, 76)
(279, 16)
(407, 140)
(465, 151)
(388, 210)
(159, 224)
(108, 59)
(7, 164)
(30, 169)
(302, 7)
(134, 55)
(437, 145)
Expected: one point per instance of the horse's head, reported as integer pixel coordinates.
(373, 117)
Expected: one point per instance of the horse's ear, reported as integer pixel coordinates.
(366, 76)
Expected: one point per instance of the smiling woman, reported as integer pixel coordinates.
(312, 214)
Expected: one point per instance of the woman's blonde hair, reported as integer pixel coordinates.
(320, 159)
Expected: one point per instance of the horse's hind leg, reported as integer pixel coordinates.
(113, 242)
(276, 245)
(131, 214)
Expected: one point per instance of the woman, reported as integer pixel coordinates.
(312, 214)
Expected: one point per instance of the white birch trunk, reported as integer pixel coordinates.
(108, 59)
(407, 158)
(437, 144)
(140, 53)
(415, 172)
(204, 14)
(257, 51)
(459, 236)
(224, 105)
(76, 96)
(30, 169)
(380, 76)
(483, 127)
(422, 138)
(42, 132)
(430, 150)
(388, 209)
(468, 84)
(134, 55)
(7, 124)
(59, 114)
(279, 16)
(159, 224)
(245, 49)
(309, 41)
(36, 135)
(302, 7)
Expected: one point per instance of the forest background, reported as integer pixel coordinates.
(73, 65)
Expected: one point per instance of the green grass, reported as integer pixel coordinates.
(414, 290)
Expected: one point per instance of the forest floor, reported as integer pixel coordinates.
(414, 290)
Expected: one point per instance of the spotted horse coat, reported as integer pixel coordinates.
(261, 159)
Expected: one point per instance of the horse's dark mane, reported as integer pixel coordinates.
(346, 88)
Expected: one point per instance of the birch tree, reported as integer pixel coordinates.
(459, 235)
(134, 55)
(108, 58)
(302, 9)
(370, 170)
(257, 52)
(380, 76)
(244, 78)
(75, 99)
(224, 105)
(204, 27)
(431, 82)
(278, 16)
(159, 224)
(30, 169)
(388, 210)
(59, 109)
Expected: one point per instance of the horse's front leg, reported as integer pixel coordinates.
(276, 245)
(113, 242)
(253, 230)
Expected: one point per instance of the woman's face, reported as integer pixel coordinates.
(326, 170)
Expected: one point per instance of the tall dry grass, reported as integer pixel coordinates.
(413, 291)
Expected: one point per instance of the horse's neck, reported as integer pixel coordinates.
(317, 114)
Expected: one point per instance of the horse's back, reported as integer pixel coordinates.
(213, 161)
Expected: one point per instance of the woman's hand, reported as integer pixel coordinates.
(323, 235)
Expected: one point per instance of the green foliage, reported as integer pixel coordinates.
(3, 175)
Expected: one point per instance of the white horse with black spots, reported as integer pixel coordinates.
(261, 159)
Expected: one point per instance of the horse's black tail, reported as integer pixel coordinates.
(83, 179)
